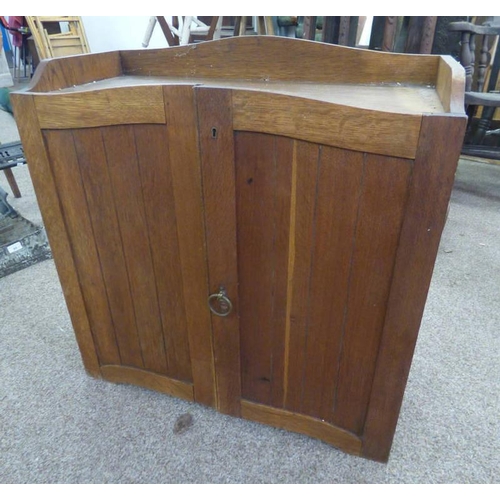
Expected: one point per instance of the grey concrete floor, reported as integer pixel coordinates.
(59, 425)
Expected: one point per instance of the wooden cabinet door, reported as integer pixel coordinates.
(129, 188)
(303, 237)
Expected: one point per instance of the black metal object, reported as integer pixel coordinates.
(11, 155)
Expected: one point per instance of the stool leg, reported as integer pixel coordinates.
(12, 183)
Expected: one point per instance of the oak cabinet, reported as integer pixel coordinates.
(250, 223)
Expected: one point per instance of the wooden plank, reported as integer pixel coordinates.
(391, 134)
(217, 166)
(278, 60)
(425, 216)
(302, 232)
(382, 204)
(123, 169)
(339, 188)
(345, 24)
(12, 182)
(184, 157)
(148, 380)
(126, 105)
(48, 200)
(302, 424)
(309, 27)
(428, 32)
(450, 85)
(56, 74)
(171, 39)
(66, 171)
(390, 28)
(156, 178)
(91, 155)
(263, 182)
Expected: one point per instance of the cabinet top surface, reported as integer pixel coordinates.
(395, 98)
(398, 83)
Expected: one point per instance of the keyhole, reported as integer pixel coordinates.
(214, 133)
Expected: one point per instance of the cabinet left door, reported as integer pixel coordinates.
(124, 168)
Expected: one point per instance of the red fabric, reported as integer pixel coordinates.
(16, 22)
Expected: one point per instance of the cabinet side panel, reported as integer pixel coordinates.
(383, 197)
(50, 208)
(64, 163)
(263, 181)
(159, 201)
(122, 163)
(432, 181)
(100, 200)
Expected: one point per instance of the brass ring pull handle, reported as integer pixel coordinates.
(219, 303)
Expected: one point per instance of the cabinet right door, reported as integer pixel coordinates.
(317, 232)
(302, 237)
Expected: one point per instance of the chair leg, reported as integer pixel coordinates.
(12, 183)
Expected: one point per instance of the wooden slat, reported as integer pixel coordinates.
(48, 199)
(64, 163)
(125, 105)
(309, 27)
(302, 424)
(156, 178)
(100, 200)
(391, 134)
(302, 232)
(171, 40)
(217, 161)
(123, 170)
(390, 28)
(339, 187)
(429, 194)
(428, 32)
(382, 204)
(278, 59)
(148, 380)
(263, 181)
(186, 181)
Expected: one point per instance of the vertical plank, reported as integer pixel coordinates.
(302, 233)
(339, 187)
(263, 180)
(390, 28)
(217, 161)
(184, 158)
(123, 171)
(156, 178)
(429, 193)
(99, 195)
(48, 200)
(381, 209)
(64, 163)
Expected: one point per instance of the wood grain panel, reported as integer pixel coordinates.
(263, 181)
(278, 59)
(450, 85)
(339, 187)
(61, 72)
(425, 216)
(382, 204)
(123, 170)
(148, 380)
(64, 163)
(48, 200)
(186, 181)
(125, 105)
(302, 424)
(391, 134)
(217, 162)
(302, 232)
(91, 154)
(156, 178)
